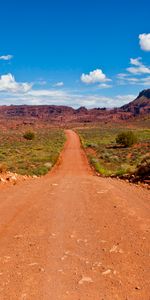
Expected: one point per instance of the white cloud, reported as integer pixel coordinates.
(139, 67)
(40, 82)
(13, 92)
(140, 70)
(6, 57)
(132, 80)
(104, 86)
(144, 40)
(96, 76)
(122, 75)
(122, 99)
(123, 79)
(58, 84)
(142, 81)
(135, 61)
(8, 83)
(47, 93)
(103, 101)
(145, 81)
(61, 97)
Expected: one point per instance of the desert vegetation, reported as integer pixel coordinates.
(126, 138)
(117, 151)
(29, 135)
(29, 152)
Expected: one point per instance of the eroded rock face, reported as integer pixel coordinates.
(141, 105)
(145, 93)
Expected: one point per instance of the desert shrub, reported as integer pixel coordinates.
(143, 169)
(98, 167)
(3, 167)
(41, 170)
(126, 138)
(120, 172)
(105, 156)
(90, 145)
(29, 135)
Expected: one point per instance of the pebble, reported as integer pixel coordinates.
(138, 288)
(85, 279)
(67, 293)
(64, 257)
(106, 272)
(41, 269)
(103, 241)
(72, 236)
(19, 236)
(23, 296)
(33, 264)
(114, 249)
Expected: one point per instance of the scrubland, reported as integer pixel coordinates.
(34, 156)
(109, 158)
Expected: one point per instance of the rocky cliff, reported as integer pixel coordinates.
(141, 105)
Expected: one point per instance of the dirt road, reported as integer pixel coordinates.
(73, 236)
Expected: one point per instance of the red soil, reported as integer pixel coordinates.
(71, 235)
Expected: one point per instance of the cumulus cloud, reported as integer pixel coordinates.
(138, 67)
(6, 57)
(58, 84)
(144, 40)
(8, 83)
(96, 76)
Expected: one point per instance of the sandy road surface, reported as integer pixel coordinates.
(74, 236)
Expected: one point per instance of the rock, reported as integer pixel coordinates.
(41, 269)
(85, 279)
(107, 272)
(114, 249)
(138, 288)
(11, 178)
(2, 180)
(48, 165)
(33, 264)
(18, 236)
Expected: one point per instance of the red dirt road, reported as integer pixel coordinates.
(73, 236)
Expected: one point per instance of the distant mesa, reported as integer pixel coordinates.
(53, 114)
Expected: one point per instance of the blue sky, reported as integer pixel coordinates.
(77, 53)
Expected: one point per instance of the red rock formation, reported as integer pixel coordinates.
(29, 114)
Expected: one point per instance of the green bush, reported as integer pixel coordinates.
(126, 138)
(41, 170)
(29, 135)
